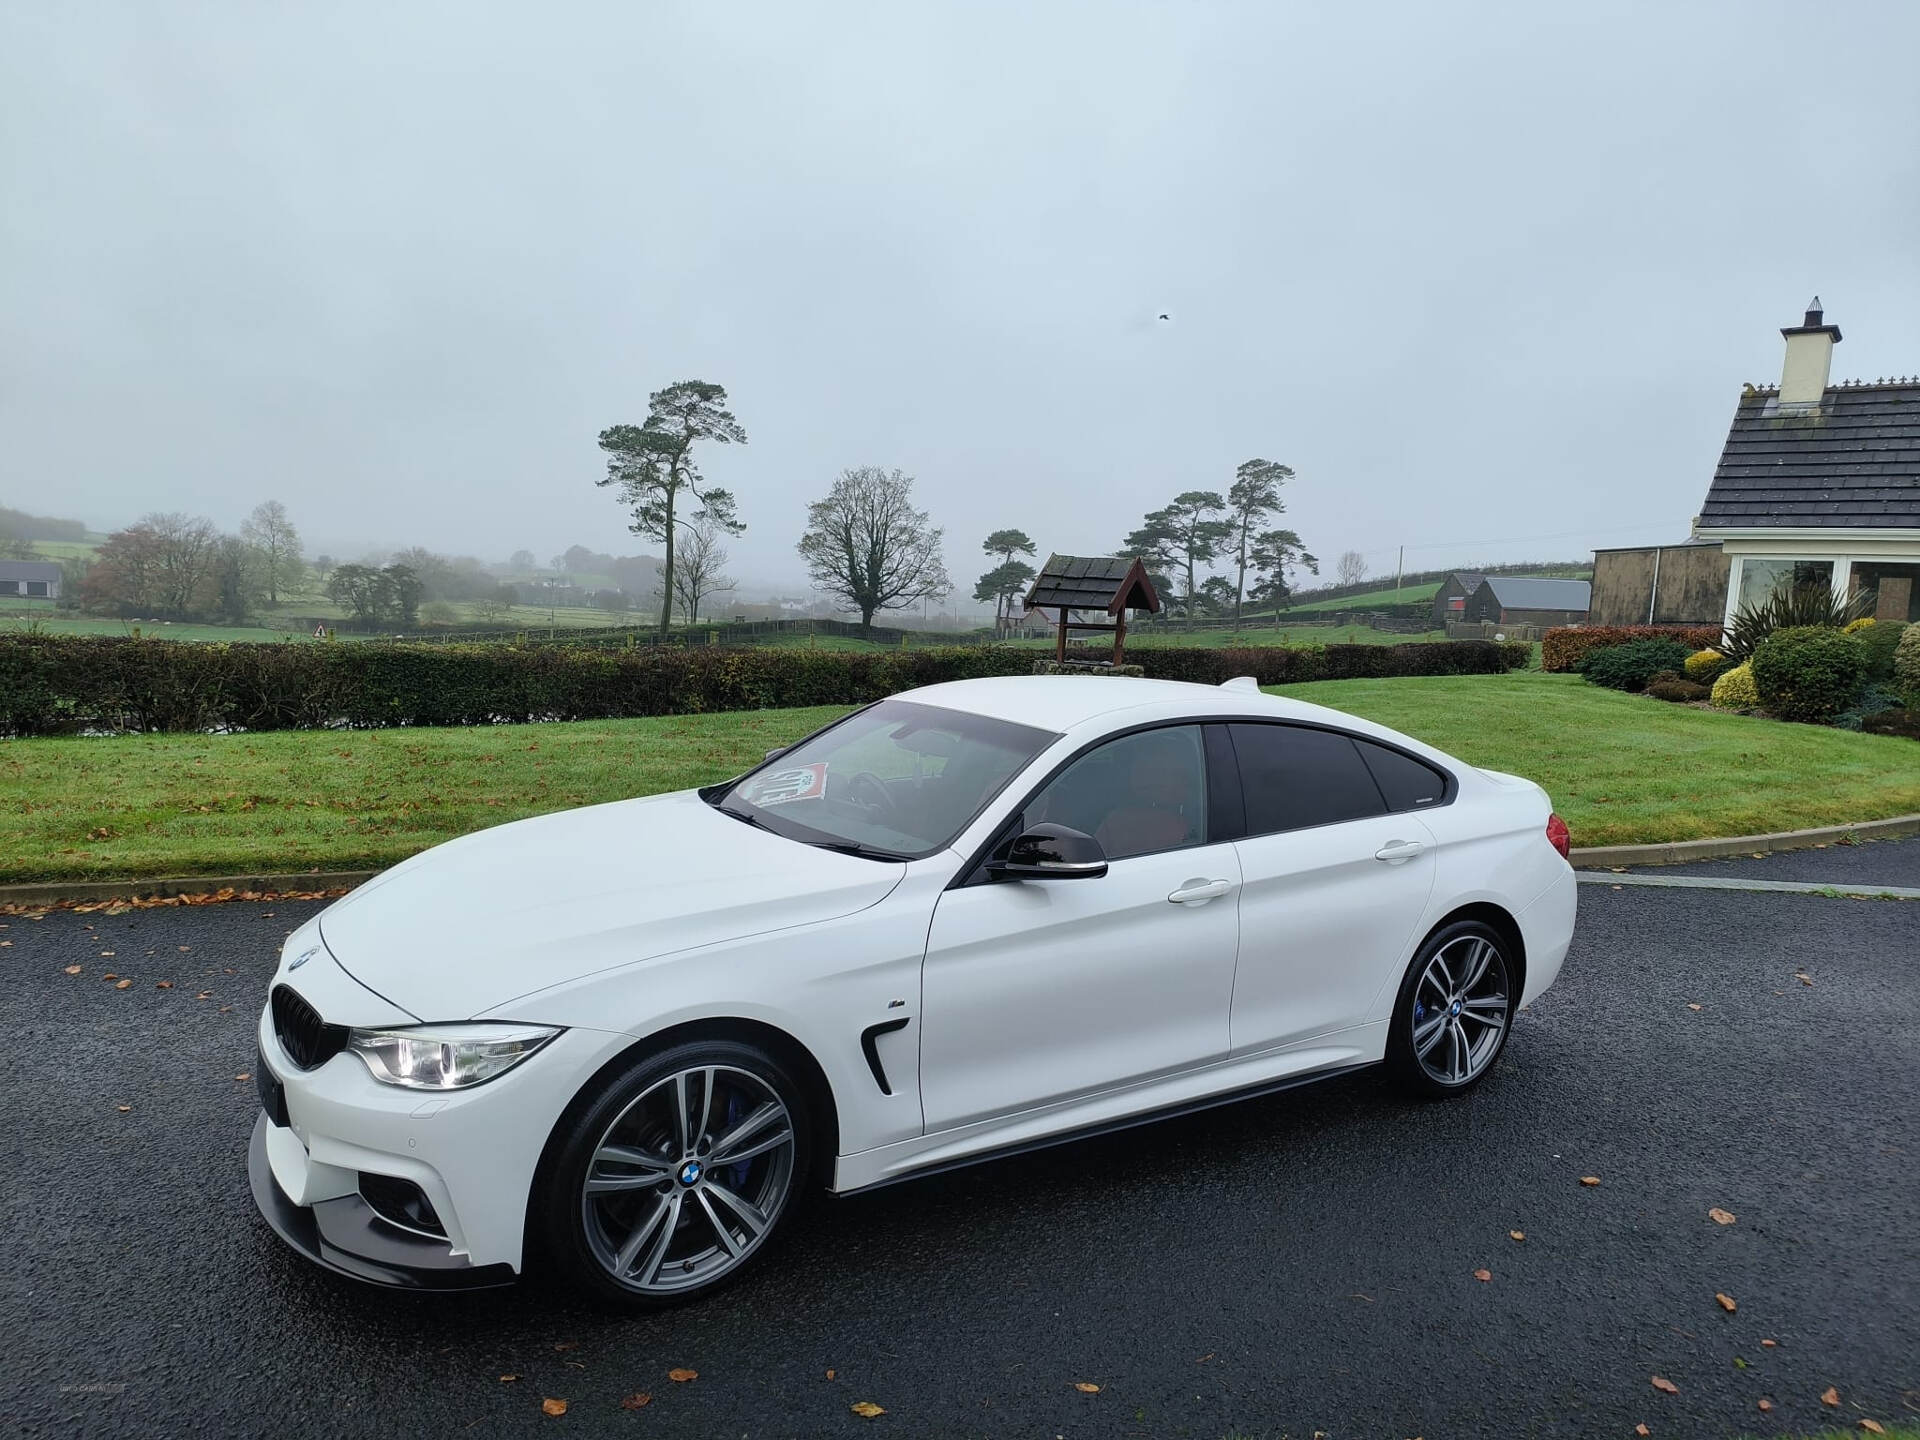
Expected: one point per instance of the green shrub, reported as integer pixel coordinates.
(1734, 690)
(1678, 689)
(1808, 672)
(1880, 639)
(50, 683)
(1873, 698)
(1632, 665)
(1706, 666)
(1906, 664)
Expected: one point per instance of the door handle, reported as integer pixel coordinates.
(1395, 851)
(1196, 892)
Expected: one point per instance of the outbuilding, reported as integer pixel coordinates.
(33, 579)
(1528, 600)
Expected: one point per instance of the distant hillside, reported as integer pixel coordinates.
(21, 525)
(1425, 583)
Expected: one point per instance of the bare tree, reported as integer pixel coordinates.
(1350, 568)
(270, 532)
(866, 544)
(185, 550)
(698, 572)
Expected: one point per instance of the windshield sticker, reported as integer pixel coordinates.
(783, 787)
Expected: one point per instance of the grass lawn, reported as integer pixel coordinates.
(1621, 768)
(16, 616)
(1222, 638)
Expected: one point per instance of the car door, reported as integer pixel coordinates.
(1336, 878)
(1036, 991)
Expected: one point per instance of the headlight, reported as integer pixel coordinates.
(446, 1057)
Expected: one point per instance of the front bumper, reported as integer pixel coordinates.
(346, 1236)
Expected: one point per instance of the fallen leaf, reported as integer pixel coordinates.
(508, 1379)
(829, 1374)
(109, 976)
(554, 1407)
(1872, 1427)
(1589, 1179)
(73, 969)
(1803, 977)
(124, 984)
(866, 1409)
(1769, 1344)
(1641, 1429)
(1721, 1217)
(125, 1108)
(204, 995)
(1693, 1007)
(106, 954)
(244, 1075)
(1830, 1396)
(163, 984)
(1483, 1275)
(566, 1344)
(1766, 1404)
(1665, 1386)
(1086, 1387)
(1726, 1302)
(1517, 1234)
(680, 1377)
(636, 1401)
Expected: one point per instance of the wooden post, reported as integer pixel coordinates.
(1120, 635)
(1060, 645)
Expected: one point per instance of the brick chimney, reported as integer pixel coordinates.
(1803, 379)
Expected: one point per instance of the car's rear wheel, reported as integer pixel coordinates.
(1454, 1011)
(677, 1175)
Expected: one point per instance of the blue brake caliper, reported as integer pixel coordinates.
(736, 1111)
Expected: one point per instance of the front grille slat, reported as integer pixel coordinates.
(306, 1038)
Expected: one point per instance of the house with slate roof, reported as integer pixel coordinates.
(1528, 600)
(1820, 483)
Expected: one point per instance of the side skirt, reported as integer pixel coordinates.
(1109, 1127)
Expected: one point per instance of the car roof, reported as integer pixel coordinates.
(1063, 702)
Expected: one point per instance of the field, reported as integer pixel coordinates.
(1222, 637)
(1406, 595)
(1621, 769)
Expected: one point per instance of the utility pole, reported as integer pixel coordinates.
(1399, 565)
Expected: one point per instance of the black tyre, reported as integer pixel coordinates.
(675, 1177)
(1454, 1011)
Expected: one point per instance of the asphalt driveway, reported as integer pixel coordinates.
(1299, 1264)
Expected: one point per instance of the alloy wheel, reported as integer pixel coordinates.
(688, 1179)
(1460, 1010)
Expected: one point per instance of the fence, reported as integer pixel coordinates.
(730, 633)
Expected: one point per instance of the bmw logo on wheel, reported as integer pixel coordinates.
(690, 1172)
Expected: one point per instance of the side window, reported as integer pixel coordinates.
(1295, 777)
(1138, 795)
(1407, 783)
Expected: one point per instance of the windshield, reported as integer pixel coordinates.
(896, 781)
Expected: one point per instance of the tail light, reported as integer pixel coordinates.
(1558, 837)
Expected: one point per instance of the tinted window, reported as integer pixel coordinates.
(1138, 795)
(1295, 777)
(1408, 784)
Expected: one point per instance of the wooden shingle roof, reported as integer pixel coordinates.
(1093, 582)
(1851, 462)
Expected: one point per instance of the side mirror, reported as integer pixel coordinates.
(1053, 852)
(777, 752)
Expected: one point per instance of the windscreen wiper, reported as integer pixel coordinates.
(854, 847)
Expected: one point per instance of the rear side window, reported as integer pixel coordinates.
(1294, 778)
(1407, 783)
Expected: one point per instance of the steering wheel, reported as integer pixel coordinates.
(867, 789)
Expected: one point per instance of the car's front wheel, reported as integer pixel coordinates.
(1454, 1010)
(676, 1175)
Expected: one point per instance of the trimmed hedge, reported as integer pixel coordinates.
(1906, 665)
(1632, 665)
(53, 683)
(1734, 690)
(1565, 645)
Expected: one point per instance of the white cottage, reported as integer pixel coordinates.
(1820, 483)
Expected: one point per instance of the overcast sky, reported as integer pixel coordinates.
(1488, 277)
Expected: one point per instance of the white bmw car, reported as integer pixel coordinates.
(964, 921)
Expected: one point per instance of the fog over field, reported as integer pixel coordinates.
(1488, 277)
